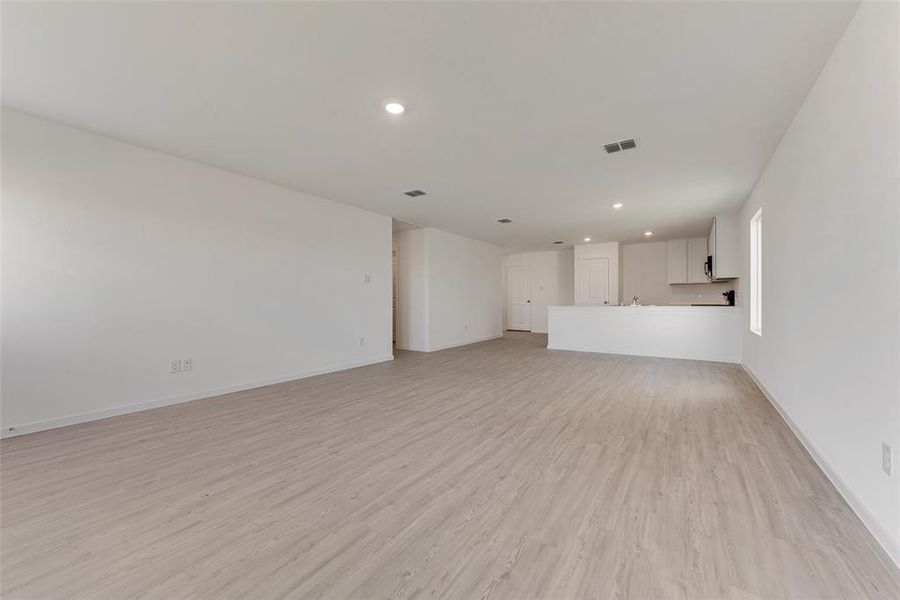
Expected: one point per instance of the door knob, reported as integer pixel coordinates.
(528, 301)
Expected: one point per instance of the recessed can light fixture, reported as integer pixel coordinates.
(587, 239)
(395, 108)
(648, 233)
(618, 205)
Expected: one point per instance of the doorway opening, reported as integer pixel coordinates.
(407, 308)
(395, 269)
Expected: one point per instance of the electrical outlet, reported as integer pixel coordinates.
(367, 279)
(187, 364)
(362, 342)
(176, 366)
(886, 458)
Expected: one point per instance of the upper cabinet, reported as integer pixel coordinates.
(697, 260)
(687, 259)
(690, 260)
(723, 247)
(678, 261)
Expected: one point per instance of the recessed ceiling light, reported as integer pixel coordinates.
(558, 242)
(618, 205)
(504, 221)
(648, 233)
(395, 108)
(587, 239)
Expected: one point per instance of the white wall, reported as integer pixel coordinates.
(645, 273)
(450, 290)
(829, 354)
(552, 282)
(118, 259)
(602, 250)
(464, 295)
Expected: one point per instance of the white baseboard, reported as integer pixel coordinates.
(94, 415)
(412, 348)
(465, 343)
(448, 346)
(883, 537)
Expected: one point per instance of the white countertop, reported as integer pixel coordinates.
(649, 307)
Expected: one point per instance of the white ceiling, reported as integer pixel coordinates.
(509, 104)
(398, 225)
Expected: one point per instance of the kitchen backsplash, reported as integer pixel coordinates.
(701, 293)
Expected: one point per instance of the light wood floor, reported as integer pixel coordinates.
(498, 470)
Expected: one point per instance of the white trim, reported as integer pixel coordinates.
(466, 343)
(453, 345)
(883, 537)
(124, 409)
(756, 251)
(411, 348)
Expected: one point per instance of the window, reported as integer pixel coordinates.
(756, 273)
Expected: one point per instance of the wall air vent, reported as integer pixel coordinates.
(504, 221)
(628, 144)
(414, 193)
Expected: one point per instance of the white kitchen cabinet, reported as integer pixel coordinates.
(696, 260)
(686, 261)
(678, 261)
(723, 246)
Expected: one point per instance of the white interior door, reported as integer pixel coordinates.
(518, 298)
(595, 280)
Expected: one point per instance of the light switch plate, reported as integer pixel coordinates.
(886, 458)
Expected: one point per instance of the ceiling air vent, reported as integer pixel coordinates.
(558, 242)
(629, 144)
(504, 221)
(414, 193)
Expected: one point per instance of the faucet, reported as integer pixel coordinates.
(634, 301)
